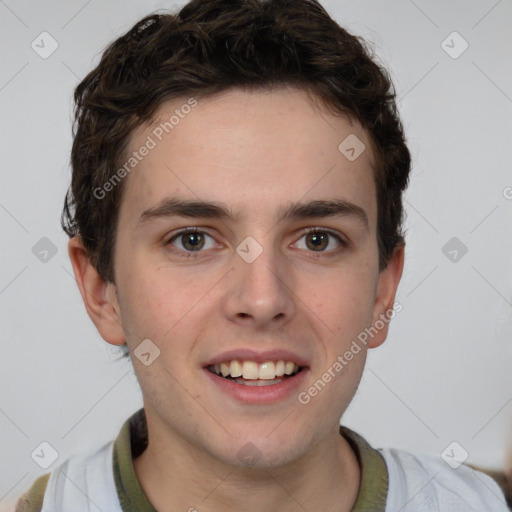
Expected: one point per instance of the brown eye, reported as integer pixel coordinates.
(318, 240)
(190, 241)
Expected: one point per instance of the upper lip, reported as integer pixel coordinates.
(257, 356)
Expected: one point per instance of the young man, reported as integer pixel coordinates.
(235, 221)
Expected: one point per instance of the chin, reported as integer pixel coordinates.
(251, 451)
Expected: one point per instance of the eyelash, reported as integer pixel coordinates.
(322, 254)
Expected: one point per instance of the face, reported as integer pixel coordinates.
(251, 285)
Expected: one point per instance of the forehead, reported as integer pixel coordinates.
(253, 150)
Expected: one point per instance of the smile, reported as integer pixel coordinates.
(251, 373)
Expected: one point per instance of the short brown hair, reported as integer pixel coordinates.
(208, 47)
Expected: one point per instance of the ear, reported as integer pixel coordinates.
(389, 279)
(99, 296)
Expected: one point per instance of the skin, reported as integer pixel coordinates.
(254, 151)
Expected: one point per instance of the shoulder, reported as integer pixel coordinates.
(418, 481)
(502, 478)
(87, 469)
(63, 486)
(32, 500)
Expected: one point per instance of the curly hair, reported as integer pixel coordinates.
(208, 47)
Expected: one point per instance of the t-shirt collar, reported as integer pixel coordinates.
(133, 440)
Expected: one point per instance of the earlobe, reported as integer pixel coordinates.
(389, 279)
(99, 296)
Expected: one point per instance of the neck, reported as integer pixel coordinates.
(178, 476)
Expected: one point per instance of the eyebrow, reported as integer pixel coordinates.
(177, 207)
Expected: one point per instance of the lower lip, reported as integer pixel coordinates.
(259, 394)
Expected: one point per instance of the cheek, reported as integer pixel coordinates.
(163, 306)
(147, 307)
(345, 301)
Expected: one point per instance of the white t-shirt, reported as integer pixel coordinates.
(392, 480)
(416, 484)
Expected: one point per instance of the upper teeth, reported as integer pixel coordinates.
(252, 370)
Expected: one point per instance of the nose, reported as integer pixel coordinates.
(260, 293)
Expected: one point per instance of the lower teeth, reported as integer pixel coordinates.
(258, 382)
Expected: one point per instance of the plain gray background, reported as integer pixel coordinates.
(443, 375)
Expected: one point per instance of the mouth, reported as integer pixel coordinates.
(252, 373)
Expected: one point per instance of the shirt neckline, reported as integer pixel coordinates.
(132, 440)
